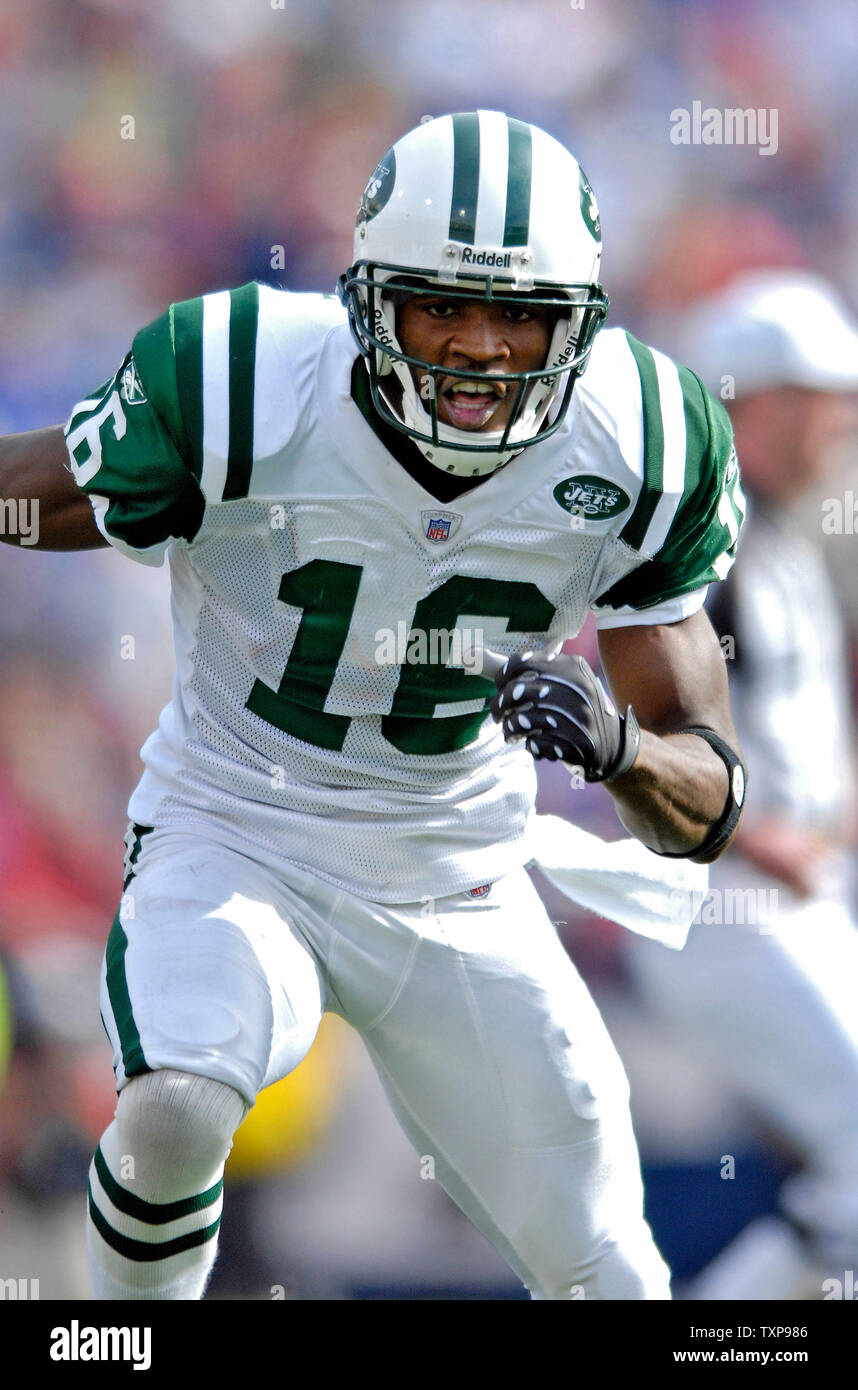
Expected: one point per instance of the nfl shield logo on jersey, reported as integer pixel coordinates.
(481, 892)
(440, 526)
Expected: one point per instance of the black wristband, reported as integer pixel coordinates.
(729, 818)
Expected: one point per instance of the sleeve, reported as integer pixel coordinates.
(688, 436)
(130, 448)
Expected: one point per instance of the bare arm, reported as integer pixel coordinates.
(674, 676)
(34, 473)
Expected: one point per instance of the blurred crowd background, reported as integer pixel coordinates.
(255, 126)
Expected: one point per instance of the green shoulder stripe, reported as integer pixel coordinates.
(636, 527)
(243, 321)
(700, 545)
(186, 329)
(154, 358)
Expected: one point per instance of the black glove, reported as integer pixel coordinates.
(564, 712)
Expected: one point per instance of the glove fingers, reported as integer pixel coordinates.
(513, 666)
(554, 728)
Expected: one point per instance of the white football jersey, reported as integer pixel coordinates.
(327, 708)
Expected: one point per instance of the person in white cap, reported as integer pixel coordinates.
(765, 991)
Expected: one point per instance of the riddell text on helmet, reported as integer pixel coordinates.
(499, 258)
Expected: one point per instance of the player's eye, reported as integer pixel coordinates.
(439, 310)
(518, 315)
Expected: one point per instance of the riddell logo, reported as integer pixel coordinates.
(499, 258)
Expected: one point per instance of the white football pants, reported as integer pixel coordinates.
(489, 1046)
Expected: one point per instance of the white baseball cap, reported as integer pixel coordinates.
(772, 328)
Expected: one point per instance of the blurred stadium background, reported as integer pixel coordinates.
(255, 127)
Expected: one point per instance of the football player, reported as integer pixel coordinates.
(334, 807)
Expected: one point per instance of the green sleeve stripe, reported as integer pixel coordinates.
(153, 1213)
(635, 529)
(695, 451)
(243, 321)
(700, 546)
(186, 322)
(696, 427)
(155, 360)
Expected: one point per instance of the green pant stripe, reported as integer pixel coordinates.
(243, 319)
(154, 1213)
(144, 1250)
(466, 177)
(134, 852)
(133, 1059)
(636, 527)
(516, 228)
(187, 322)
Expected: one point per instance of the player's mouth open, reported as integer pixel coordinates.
(471, 404)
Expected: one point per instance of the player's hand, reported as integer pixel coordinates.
(562, 710)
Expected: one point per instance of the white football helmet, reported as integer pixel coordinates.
(483, 207)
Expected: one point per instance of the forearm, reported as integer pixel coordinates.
(673, 795)
(41, 506)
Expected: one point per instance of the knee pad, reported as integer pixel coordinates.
(176, 1128)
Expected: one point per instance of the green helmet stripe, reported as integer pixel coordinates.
(466, 177)
(516, 229)
(243, 319)
(635, 529)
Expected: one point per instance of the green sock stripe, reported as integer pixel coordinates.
(636, 527)
(187, 322)
(141, 1250)
(154, 1213)
(516, 229)
(243, 319)
(466, 177)
(120, 1001)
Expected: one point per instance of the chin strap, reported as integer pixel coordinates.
(723, 828)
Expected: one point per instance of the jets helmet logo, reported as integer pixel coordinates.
(589, 210)
(379, 188)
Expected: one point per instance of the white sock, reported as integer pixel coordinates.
(155, 1188)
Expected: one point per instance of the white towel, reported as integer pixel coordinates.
(621, 880)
